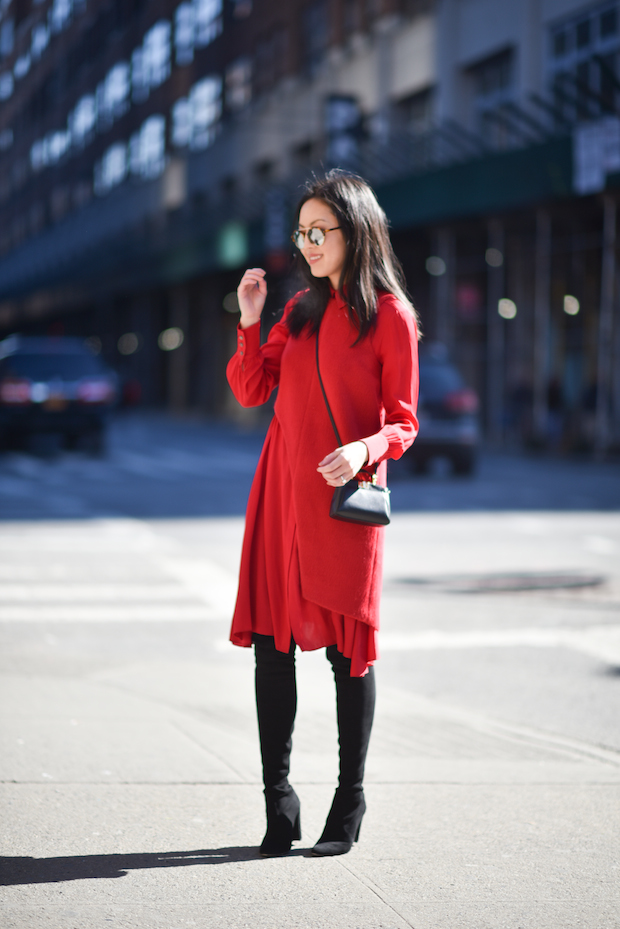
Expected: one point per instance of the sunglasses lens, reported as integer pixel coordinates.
(316, 236)
(298, 239)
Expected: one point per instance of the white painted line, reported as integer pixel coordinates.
(89, 593)
(108, 613)
(600, 641)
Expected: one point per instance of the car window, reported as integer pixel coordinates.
(40, 367)
(437, 380)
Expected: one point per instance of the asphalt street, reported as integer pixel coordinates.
(129, 770)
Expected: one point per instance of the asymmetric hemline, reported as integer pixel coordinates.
(270, 600)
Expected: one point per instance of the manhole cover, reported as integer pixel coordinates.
(494, 583)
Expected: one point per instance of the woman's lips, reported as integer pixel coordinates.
(313, 258)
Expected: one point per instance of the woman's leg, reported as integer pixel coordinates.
(355, 700)
(276, 704)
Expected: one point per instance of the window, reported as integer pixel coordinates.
(342, 126)
(139, 81)
(59, 14)
(82, 119)
(181, 133)
(493, 77)
(49, 150)
(7, 37)
(414, 113)
(206, 109)
(113, 94)
(40, 40)
(492, 85)
(6, 85)
(22, 66)
(184, 33)
(239, 84)
(111, 170)
(303, 155)
(196, 24)
(583, 64)
(150, 62)
(208, 15)
(147, 148)
(195, 119)
(156, 54)
(264, 170)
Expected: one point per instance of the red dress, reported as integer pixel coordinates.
(302, 573)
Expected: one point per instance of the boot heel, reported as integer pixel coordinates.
(283, 824)
(343, 824)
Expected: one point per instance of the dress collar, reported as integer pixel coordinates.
(335, 295)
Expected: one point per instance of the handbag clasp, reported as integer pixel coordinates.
(371, 483)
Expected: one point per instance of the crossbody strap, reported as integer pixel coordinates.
(318, 371)
(371, 470)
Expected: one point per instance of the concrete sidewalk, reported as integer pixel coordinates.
(130, 771)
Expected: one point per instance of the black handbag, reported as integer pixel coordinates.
(365, 501)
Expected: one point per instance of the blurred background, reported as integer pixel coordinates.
(152, 149)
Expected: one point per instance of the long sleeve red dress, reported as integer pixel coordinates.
(302, 573)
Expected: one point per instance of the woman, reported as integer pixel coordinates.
(306, 579)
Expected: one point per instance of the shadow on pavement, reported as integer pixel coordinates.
(86, 867)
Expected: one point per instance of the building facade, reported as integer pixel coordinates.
(150, 149)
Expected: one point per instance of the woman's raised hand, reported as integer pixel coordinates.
(343, 464)
(251, 294)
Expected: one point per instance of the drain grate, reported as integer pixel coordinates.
(505, 582)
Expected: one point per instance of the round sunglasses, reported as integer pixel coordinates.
(315, 235)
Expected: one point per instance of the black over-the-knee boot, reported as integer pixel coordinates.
(355, 699)
(276, 704)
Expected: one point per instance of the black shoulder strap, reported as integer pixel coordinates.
(365, 470)
(318, 371)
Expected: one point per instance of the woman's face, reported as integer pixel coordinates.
(326, 260)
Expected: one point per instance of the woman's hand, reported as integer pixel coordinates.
(344, 462)
(251, 294)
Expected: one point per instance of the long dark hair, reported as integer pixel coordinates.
(370, 263)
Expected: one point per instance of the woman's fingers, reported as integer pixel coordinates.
(343, 463)
(254, 272)
(252, 278)
(329, 458)
(251, 295)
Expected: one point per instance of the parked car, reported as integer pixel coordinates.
(54, 387)
(447, 412)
